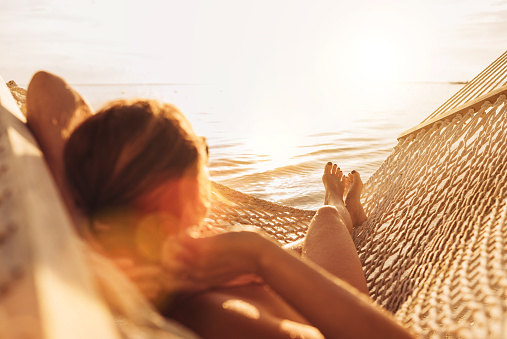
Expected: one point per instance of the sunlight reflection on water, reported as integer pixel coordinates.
(275, 147)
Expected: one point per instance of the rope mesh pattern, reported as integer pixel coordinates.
(434, 249)
(229, 208)
(434, 246)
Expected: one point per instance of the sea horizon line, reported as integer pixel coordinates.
(212, 84)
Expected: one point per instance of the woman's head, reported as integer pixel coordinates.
(131, 151)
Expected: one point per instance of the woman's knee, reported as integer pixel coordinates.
(327, 212)
(327, 218)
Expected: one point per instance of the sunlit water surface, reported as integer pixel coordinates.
(275, 145)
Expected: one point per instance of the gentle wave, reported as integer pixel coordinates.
(280, 157)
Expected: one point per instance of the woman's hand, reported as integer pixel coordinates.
(214, 260)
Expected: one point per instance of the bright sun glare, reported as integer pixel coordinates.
(377, 60)
(278, 145)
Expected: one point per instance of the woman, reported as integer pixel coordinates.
(139, 172)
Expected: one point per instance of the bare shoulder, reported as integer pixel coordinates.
(241, 312)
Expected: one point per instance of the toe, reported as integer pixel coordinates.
(348, 180)
(328, 168)
(356, 176)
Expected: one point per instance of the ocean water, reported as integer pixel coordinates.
(273, 144)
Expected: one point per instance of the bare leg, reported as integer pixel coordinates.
(328, 242)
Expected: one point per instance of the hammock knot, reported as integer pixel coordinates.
(486, 105)
(457, 119)
(421, 133)
(437, 125)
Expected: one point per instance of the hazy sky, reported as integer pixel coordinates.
(314, 42)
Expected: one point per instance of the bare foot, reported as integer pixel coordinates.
(334, 183)
(353, 188)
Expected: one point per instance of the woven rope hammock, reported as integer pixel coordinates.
(434, 247)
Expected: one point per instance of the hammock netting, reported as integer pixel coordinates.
(434, 247)
(232, 208)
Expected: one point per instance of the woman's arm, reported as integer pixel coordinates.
(333, 306)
